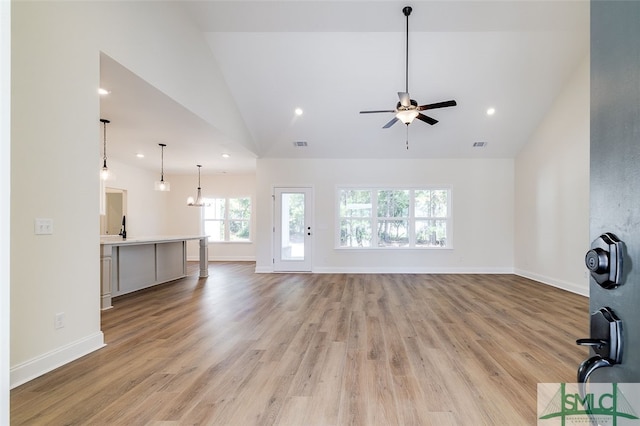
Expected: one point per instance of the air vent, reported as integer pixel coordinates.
(300, 144)
(479, 144)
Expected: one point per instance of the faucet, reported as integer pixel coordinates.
(123, 230)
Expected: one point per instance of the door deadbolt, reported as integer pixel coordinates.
(604, 260)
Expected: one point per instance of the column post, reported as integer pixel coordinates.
(204, 257)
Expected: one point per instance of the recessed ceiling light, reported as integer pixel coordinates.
(102, 91)
(140, 155)
(225, 156)
(491, 111)
(299, 111)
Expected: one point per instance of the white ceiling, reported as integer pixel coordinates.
(334, 59)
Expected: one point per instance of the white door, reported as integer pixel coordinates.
(292, 230)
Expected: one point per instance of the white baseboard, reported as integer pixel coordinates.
(49, 361)
(223, 259)
(410, 270)
(263, 269)
(395, 270)
(564, 285)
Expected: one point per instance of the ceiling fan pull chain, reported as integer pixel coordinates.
(407, 137)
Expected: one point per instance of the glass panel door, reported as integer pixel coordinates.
(292, 230)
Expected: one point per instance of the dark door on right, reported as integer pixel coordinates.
(615, 168)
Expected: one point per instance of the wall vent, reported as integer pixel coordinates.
(479, 144)
(300, 144)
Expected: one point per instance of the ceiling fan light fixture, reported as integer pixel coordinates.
(407, 116)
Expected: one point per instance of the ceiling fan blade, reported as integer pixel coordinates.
(426, 119)
(374, 112)
(390, 123)
(405, 100)
(438, 105)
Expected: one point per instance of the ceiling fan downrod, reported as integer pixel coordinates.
(407, 11)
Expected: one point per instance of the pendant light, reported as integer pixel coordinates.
(104, 173)
(199, 201)
(161, 185)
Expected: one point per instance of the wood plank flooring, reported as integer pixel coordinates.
(240, 348)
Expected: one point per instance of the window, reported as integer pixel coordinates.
(394, 218)
(228, 219)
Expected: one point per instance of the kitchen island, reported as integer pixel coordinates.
(134, 263)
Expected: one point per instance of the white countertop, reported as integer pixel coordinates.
(116, 240)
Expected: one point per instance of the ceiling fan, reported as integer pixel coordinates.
(407, 109)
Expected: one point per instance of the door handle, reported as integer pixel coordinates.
(597, 343)
(605, 342)
(587, 367)
(590, 365)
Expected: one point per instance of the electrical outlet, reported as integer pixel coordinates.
(43, 226)
(58, 321)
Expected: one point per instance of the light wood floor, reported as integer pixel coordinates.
(241, 348)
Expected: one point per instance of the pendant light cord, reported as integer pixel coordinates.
(162, 162)
(104, 145)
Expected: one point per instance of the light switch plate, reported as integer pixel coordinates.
(43, 226)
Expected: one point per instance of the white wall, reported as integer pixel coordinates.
(482, 212)
(184, 219)
(552, 192)
(53, 175)
(55, 150)
(146, 208)
(5, 191)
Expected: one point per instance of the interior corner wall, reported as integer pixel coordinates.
(552, 192)
(55, 155)
(482, 195)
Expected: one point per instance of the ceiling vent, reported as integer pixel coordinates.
(300, 144)
(479, 144)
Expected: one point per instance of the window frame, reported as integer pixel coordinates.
(226, 220)
(412, 219)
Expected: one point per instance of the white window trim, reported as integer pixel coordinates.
(226, 220)
(412, 219)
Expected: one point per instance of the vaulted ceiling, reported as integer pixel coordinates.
(334, 59)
